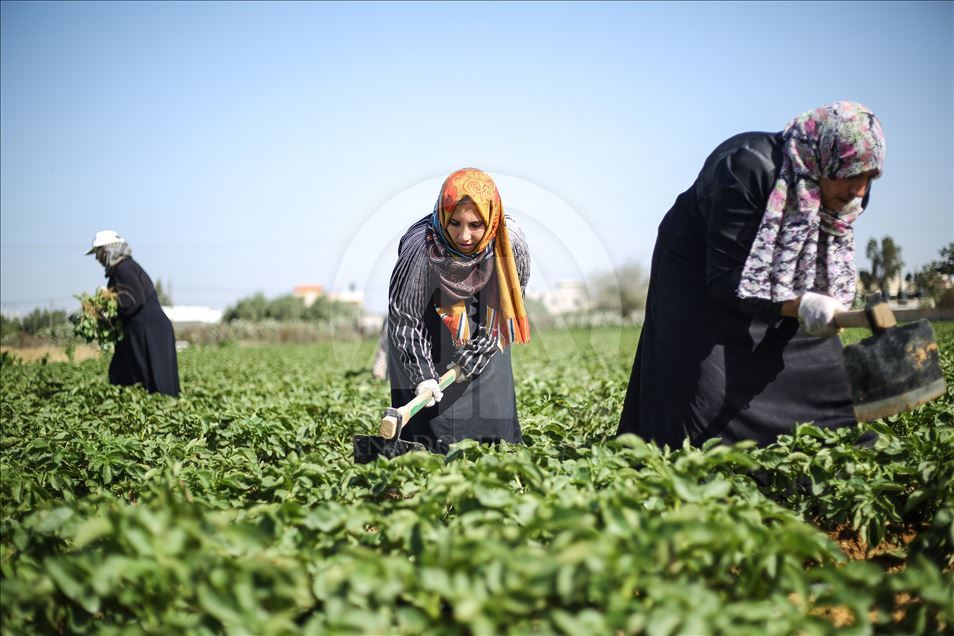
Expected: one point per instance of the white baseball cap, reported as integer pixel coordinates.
(105, 237)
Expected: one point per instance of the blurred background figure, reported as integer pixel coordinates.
(379, 370)
(147, 352)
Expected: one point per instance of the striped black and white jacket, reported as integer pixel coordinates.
(409, 297)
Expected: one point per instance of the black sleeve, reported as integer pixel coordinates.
(737, 194)
(127, 284)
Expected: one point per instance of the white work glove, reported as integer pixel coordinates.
(817, 312)
(433, 387)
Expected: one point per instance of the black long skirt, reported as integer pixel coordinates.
(483, 409)
(147, 353)
(703, 370)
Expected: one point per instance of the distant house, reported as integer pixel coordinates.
(366, 323)
(308, 293)
(351, 297)
(569, 296)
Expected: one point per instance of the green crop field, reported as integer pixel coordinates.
(238, 509)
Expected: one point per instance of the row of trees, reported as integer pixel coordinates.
(622, 292)
(40, 325)
(886, 265)
(281, 320)
(287, 308)
(933, 282)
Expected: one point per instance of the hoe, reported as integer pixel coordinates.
(897, 368)
(893, 371)
(388, 442)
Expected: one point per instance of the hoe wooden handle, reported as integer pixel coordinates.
(389, 423)
(885, 318)
(881, 317)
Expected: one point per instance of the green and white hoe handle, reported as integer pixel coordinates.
(396, 418)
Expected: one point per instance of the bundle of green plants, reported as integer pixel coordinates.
(98, 318)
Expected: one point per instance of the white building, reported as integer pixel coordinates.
(351, 297)
(310, 293)
(192, 315)
(569, 296)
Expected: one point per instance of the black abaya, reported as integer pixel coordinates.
(483, 408)
(147, 352)
(709, 365)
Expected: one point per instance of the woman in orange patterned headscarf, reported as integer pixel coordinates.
(456, 300)
(472, 196)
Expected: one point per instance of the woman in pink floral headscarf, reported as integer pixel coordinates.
(750, 266)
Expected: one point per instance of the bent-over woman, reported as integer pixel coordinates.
(147, 352)
(750, 266)
(456, 299)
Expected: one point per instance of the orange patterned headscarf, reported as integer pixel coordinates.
(508, 316)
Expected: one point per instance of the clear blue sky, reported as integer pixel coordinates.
(245, 147)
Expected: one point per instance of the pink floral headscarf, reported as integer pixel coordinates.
(800, 246)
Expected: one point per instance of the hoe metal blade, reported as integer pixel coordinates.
(368, 448)
(894, 371)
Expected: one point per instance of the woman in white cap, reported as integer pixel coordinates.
(147, 353)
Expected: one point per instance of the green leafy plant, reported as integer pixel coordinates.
(238, 509)
(98, 319)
